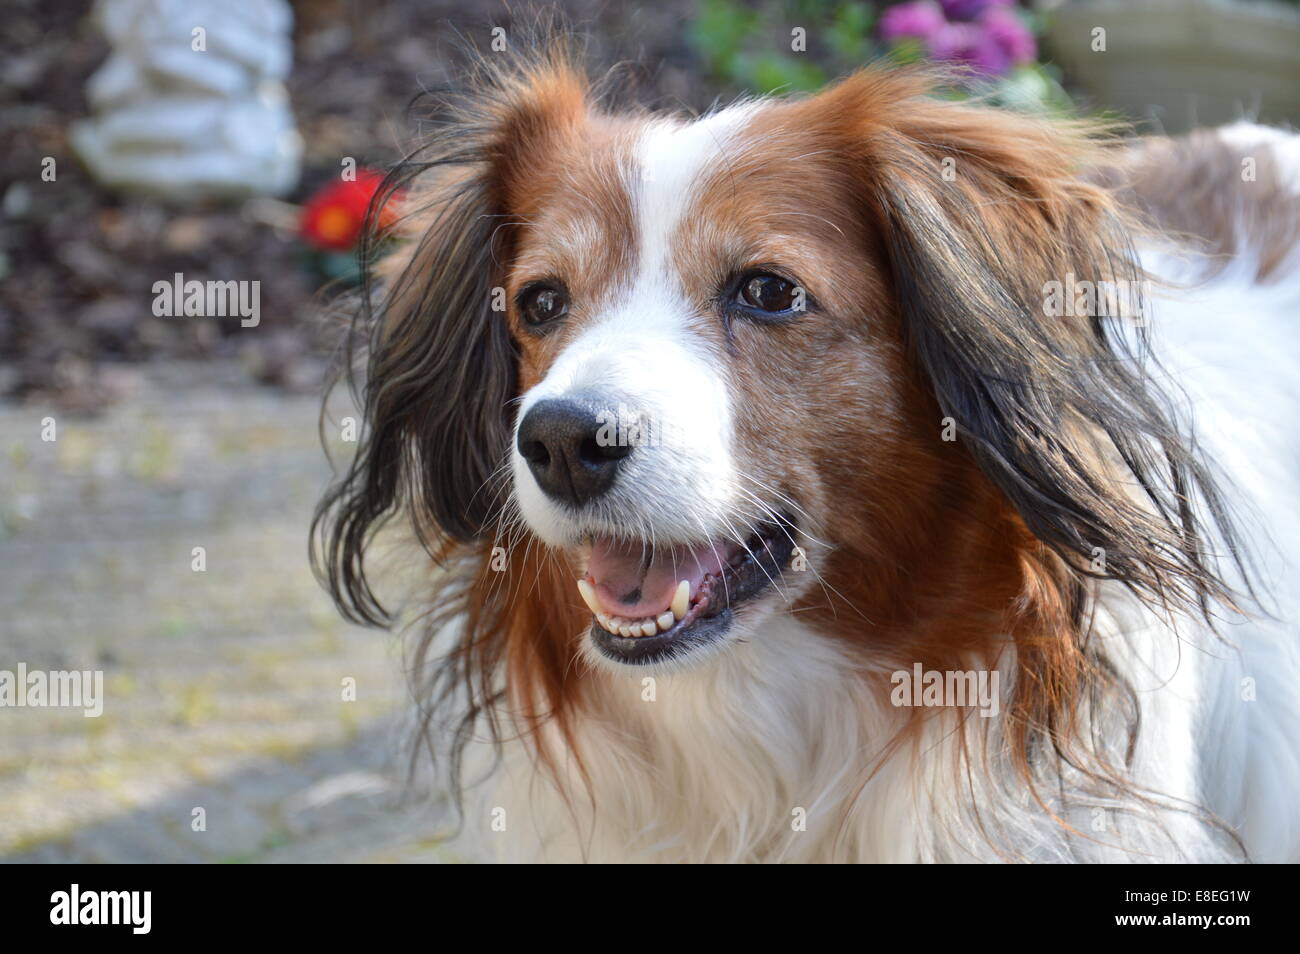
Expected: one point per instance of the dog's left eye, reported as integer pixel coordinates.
(768, 293)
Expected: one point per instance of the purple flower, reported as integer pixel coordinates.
(966, 44)
(970, 9)
(918, 20)
(984, 35)
(1010, 34)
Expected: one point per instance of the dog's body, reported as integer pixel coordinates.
(912, 468)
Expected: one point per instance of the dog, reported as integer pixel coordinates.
(860, 476)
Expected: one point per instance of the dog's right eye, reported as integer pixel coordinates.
(543, 303)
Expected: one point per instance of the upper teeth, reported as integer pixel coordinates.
(588, 593)
(620, 626)
(681, 599)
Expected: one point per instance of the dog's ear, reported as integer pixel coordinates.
(989, 227)
(439, 364)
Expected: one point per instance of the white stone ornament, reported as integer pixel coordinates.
(191, 104)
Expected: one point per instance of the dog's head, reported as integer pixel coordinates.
(792, 356)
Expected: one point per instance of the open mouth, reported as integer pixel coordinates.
(651, 603)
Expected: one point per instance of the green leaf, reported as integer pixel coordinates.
(849, 36)
(771, 73)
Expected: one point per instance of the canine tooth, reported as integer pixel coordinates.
(649, 628)
(588, 593)
(681, 599)
(665, 621)
(603, 620)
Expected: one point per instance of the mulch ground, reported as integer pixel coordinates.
(77, 263)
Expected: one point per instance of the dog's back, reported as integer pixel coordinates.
(1227, 331)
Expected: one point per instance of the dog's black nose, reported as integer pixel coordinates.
(571, 448)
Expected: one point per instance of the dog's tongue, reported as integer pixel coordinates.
(633, 582)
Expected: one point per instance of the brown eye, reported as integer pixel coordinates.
(541, 304)
(767, 293)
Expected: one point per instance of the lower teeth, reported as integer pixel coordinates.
(632, 628)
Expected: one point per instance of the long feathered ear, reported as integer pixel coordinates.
(439, 364)
(988, 223)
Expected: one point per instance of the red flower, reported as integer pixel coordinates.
(332, 219)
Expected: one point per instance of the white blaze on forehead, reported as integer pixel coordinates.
(669, 163)
(642, 351)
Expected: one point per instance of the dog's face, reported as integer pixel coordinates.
(705, 352)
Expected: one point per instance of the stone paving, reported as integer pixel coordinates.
(224, 689)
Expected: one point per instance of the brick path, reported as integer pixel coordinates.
(223, 688)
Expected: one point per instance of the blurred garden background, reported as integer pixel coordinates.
(240, 141)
